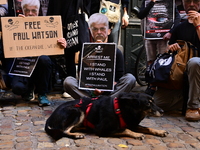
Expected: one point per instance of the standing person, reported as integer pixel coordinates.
(3, 12)
(189, 30)
(67, 9)
(40, 78)
(99, 28)
(155, 46)
(124, 21)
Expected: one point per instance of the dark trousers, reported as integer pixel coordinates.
(40, 79)
(70, 63)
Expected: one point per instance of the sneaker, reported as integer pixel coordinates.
(192, 114)
(150, 90)
(66, 95)
(29, 96)
(43, 101)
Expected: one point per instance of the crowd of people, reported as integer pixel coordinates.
(103, 31)
(40, 80)
(188, 30)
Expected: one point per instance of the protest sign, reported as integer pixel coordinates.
(23, 66)
(31, 36)
(159, 20)
(97, 70)
(3, 2)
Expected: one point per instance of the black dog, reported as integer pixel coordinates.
(105, 116)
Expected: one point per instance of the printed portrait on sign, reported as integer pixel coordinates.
(160, 19)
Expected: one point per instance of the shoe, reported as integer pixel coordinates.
(192, 114)
(150, 90)
(43, 101)
(29, 96)
(66, 95)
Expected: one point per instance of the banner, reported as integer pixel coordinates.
(31, 36)
(97, 69)
(160, 19)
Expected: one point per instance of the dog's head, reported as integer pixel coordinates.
(141, 102)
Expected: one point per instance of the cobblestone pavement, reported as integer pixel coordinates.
(22, 128)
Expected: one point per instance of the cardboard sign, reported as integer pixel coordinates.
(3, 2)
(23, 66)
(97, 69)
(159, 20)
(31, 36)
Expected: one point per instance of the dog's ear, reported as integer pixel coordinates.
(131, 99)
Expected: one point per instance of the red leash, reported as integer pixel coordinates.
(86, 123)
(118, 112)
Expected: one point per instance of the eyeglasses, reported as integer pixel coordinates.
(102, 29)
(28, 10)
(194, 1)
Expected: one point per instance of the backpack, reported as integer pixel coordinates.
(178, 67)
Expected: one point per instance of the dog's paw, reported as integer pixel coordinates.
(138, 136)
(162, 133)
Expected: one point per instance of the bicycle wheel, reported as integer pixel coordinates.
(140, 67)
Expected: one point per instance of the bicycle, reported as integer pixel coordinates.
(140, 67)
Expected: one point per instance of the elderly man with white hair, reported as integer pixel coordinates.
(99, 28)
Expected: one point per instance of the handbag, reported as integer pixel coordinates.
(111, 10)
(172, 77)
(76, 30)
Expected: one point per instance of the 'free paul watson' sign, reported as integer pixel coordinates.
(31, 36)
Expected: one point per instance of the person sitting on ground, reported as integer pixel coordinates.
(99, 28)
(189, 30)
(40, 78)
(155, 46)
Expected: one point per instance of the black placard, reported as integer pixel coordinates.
(23, 66)
(97, 69)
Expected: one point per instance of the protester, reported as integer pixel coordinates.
(124, 21)
(155, 46)
(99, 28)
(67, 9)
(41, 76)
(188, 30)
(3, 12)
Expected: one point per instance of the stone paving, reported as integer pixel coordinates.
(22, 128)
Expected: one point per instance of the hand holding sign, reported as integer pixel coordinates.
(32, 36)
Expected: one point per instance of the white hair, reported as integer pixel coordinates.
(30, 3)
(98, 18)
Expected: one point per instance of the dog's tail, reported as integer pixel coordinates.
(56, 134)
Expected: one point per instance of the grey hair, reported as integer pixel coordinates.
(31, 3)
(98, 18)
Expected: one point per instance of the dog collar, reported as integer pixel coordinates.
(118, 112)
